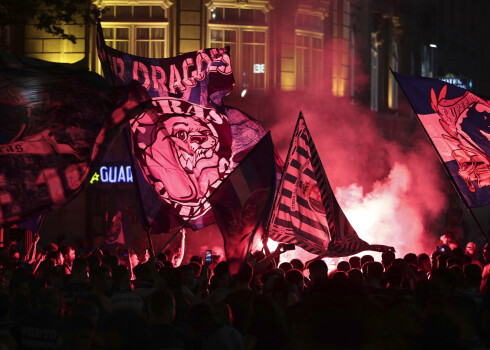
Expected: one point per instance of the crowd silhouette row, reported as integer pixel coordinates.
(64, 297)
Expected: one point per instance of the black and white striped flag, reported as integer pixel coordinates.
(306, 212)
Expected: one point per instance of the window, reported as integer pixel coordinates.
(145, 41)
(341, 47)
(309, 58)
(230, 15)
(247, 44)
(140, 30)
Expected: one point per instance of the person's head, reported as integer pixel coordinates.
(162, 306)
(51, 300)
(201, 320)
(471, 250)
(187, 275)
(196, 268)
(245, 274)
(318, 271)
(111, 261)
(387, 258)
(133, 258)
(394, 276)
(472, 275)
(120, 277)
(68, 254)
(79, 268)
(374, 272)
(424, 261)
(343, 266)
(14, 256)
(355, 262)
(56, 257)
(142, 272)
(366, 258)
(410, 258)
(285, 266)
(196, 259)
(486, 254)
(447, 237)
(295, 277)
(258, 255)
(101, 279)
(222, 273)
(297, 264)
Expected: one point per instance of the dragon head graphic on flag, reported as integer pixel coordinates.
(184, 150)
(466, 120)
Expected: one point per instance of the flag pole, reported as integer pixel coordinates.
(282, 178)
(183, 225)
(145, 222)
(448, 173)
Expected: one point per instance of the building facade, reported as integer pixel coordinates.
(332, 47)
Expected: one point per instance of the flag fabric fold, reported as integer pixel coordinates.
(457, 123)
(188, 143)
(242, 203)
(306, 212)
(56, 126)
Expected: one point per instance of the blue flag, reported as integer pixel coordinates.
(458, 124)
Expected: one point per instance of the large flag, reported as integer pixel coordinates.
(56, 126)
(306, 212)
(458, 124)
(242, 203)
(189, 142)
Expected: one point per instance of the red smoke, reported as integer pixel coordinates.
(389, 190)
(384, 172)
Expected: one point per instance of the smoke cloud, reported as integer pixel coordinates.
(384, 172)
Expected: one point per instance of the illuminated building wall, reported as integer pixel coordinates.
(42, 45)
(279, 46)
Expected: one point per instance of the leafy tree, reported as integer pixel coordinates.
(48, 15)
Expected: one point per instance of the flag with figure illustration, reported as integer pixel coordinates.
(306, 212)
(189, 142)
(56, 126)
(242, 203)
(457, 122)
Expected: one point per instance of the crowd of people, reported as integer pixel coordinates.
(61, 297)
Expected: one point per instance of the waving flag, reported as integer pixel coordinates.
(306, 212)
(189, 141)
(56, 126)
(458, 124)
(242, 203)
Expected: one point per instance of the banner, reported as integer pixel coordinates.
(201, 77)
(242, 203)
(184, 151)
(57, 125)
(458, 125)
(306, 212)
(185, 165)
